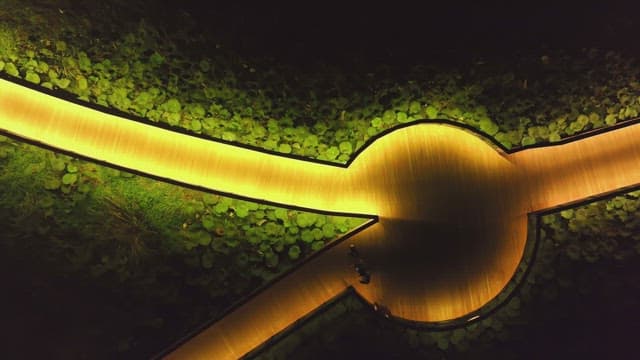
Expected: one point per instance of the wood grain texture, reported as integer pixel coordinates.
(452, 208)
(160, 152)
(590, 167)
(277, 307)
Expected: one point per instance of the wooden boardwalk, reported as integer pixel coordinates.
(452, 207)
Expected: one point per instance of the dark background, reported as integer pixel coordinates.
(395, 31)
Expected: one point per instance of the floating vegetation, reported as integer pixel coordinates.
(161, 259)
(587, 259)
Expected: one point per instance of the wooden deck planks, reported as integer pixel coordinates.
(597, 165)
(277, 307)
(452, 208)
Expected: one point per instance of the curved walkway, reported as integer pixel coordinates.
(452, 207)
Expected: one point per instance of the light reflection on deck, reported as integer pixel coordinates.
(452, 208)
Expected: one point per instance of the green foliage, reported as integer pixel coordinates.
(32, 77)
(172, 105)
(402, 117)
(196, 125)
(61, 83)
(81, 82)
(242, 209)
(415, 108)
(488, 126)
(310, 141)
(71, 168)
(271, 259)
(305, 219)
(156, 59)
(329, 231)
(69, 179)
(208, 222)
(202, 238)
(282, 214)
(284, 148)
(146, 74)
(432, 112)
(567, 214)
(52, 184)
(140, 74)
(210, 199)
(528, 140)
(389, 117)
(221, 207)
(317, 245)
(346, 148)
(294, 252)
(229, 136)
(332, 153)
(307, 236)
(84, 63)
(11, 69)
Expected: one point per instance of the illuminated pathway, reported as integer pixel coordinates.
(452, 207)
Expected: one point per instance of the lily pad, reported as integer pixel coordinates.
(489, 127)
(69, 178)
(11, 69)
(284, 148)
(346, 147)
(432, 112)
(281, 214)
(172, 105)
(307, 236)
(414, 108)
(317, 234)
(294, 252)
(203, 238)
(329, 231)
(210, 199)
(332, 153)
(306, 219)
(402, 117)
(32, 77)
(61, 83)
(567, 214)
(208, 222)
(221, 207)
(241, 210)
(52, 184)
(196, 125)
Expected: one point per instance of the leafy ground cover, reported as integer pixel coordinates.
(162, 257)
(317, 111)
(580, 300)
(154, 259)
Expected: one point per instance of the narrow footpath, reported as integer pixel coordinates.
(452, 206)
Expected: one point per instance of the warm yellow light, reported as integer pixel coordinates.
(190, 160)
(452, 208)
